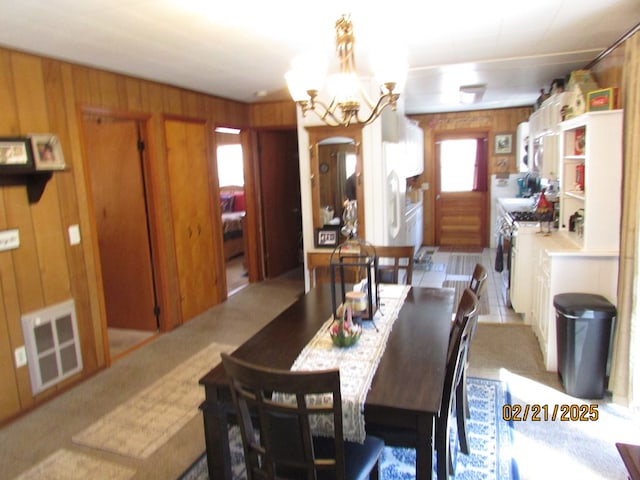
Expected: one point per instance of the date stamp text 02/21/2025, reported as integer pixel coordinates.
(541, 412)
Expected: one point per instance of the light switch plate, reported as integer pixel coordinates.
(74, 235)
(9, 239)
(20, 355)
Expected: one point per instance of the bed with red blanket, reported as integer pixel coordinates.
(232, 204)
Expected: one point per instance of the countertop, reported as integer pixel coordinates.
(560, 243)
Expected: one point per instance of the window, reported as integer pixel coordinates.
(230, 167)
(457, 165)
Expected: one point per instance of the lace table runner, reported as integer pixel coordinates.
(357, 363)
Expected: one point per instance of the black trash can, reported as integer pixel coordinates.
(583, 326)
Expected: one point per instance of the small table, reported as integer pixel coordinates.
(406, 390)
(631, 457)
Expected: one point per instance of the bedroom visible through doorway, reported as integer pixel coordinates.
(229, 158)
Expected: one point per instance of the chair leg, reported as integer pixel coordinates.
(461, 418)
(444, 465)
(374, 474)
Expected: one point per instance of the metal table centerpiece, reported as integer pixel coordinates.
(353, 268)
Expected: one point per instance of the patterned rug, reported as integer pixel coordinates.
(68, 465)
(462, 264)
(139, 426)
(490, 440)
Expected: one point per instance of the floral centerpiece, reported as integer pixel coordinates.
(343, 331)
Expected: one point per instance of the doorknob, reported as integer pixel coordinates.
(438, 197)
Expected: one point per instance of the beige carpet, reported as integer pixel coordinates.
(139, 426)
(68, 465)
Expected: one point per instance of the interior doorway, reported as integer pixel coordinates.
(281, 201)
(461, 184)
(115, 165)
(230, 163)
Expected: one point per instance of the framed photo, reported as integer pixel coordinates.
(47, 152)
(327, 237)
(504, 143)
(15, 154)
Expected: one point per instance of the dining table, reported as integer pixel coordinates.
(406, 389)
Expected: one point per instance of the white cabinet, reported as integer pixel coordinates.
(414, 148)
(584, 260)
(560, 268)
(592, 144)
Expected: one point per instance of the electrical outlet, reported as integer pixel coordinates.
(20, 355)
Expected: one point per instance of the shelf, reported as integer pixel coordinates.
(575, 194)
(577, 158)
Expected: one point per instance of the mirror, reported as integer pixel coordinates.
(336, 169)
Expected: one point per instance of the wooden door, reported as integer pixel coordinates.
(118, 189)
(191, 207)
(281, 206)
(461, 213)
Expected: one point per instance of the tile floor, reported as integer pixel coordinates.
(500, 312)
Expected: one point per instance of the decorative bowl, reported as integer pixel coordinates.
(344, 336)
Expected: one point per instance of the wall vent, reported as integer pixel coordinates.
(52, 344)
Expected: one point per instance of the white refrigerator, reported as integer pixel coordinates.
(390, 208)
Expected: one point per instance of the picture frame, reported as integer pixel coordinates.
(327, 237)
(47, 152)
(503, 143)
(15, 155)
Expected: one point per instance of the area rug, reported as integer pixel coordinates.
(68, 465)
(139, 426)
(462, 264)
(490, 439)
(460, 249)
(459, 286)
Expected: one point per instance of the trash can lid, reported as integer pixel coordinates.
(579, 304)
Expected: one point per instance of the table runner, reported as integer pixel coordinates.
(357, 363)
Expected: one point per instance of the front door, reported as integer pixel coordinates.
(281, 205)
(461, 190)
(118, 188)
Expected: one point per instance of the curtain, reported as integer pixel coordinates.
(624, 380)
(480, 183)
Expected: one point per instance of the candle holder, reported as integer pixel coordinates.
(355, 263)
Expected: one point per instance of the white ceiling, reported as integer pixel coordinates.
(237, 48)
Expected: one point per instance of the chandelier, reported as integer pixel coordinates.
(348, 94)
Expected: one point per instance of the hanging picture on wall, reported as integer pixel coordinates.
(15, 155)
(504, 143)
(47, 151)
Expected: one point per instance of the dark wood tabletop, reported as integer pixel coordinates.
(406, 389)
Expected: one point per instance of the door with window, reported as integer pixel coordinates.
(461, 190)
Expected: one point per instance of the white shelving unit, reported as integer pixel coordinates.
(601, 155)
(585, 262)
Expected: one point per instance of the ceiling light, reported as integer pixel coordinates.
(306, 79)
(472, 93)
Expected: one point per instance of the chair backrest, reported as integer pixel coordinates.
(478, 280)
(275, 429)
(392, 260)
(456, 362)
(465, 319)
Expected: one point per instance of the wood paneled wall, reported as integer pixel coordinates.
(492, 121)
(37, 95)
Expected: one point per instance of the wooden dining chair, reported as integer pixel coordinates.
(276, 433)
(478, 280)
(466, 318)
(394, 261)
(477, 284)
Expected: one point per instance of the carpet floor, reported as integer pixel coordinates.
(490, 439)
